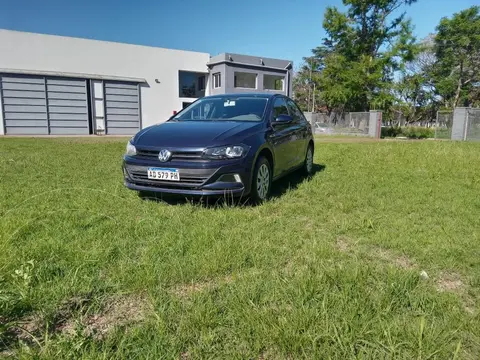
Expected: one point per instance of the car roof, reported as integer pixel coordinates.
(239, 95)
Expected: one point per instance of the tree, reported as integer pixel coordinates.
(413, 91)
(306, 82)
(363, 48)
(457, 49)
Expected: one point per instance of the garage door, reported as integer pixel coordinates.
(24, 105)
(36, 105)
(122, 105)
(67, 106)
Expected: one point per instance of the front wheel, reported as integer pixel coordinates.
(261, 180)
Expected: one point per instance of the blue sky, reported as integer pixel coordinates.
(271, 28)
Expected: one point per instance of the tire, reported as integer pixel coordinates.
(308, 162)
(261, 181)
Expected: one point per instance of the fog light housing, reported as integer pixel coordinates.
(126, 174)
(231, 178)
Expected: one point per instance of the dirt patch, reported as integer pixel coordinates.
(402, 261)
(342, 245)
(73, 318)
(450, 282)
(185, 355)
(118, 311)
(185, 290)
(26, 331)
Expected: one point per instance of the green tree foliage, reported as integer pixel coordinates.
(414, 91)
(364, 47)
(369, 59)
(457, 49)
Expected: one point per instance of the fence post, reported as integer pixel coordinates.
(375, 124)
(466, 125)
(458, 124)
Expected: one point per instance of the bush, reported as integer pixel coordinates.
(411, 132)
(392, 131)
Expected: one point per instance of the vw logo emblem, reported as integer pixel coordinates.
(164, 155)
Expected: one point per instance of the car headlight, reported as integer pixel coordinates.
(226, 152)
(131, 150)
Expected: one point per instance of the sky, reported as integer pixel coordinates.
(285, 29)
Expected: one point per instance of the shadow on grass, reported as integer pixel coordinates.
(293, 180)
(279, 188)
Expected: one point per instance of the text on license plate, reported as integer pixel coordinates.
(163, 174)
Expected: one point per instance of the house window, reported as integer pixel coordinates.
(245, 80)
(273, 82)
(217, 80)
(201, 83)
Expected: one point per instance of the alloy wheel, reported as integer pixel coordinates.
(263, 181)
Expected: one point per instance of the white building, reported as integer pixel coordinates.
(62, 85)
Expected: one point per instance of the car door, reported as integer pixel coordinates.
(300, 130)
(281, 137)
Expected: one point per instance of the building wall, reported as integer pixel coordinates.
(38, 52)
(220, 68)
(228, 64)
(230, 81)
(251, 60)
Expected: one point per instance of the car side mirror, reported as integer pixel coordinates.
(283, 119)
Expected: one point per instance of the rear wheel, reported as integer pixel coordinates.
(261, 180)
(308, 164)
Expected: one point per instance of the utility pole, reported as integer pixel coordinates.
(313, 106)
(313, 96)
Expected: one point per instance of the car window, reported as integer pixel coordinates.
(295, 112)
(279, 108)
(225, 108)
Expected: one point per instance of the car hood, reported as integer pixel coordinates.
(196, 133)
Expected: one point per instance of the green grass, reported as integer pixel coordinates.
(329, 268)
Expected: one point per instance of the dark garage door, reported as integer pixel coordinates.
(38, 105)
(122, 104)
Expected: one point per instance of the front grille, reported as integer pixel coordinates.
(142, 176)
(189, 178)
(191, 156)
(147, 154)
(187, 156)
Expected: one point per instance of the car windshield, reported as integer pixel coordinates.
(225, 108)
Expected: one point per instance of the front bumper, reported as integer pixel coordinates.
(197, 179)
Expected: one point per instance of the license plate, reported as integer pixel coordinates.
(163, 174)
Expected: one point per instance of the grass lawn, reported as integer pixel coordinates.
(329, 268)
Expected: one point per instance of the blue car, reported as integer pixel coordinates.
(234, 144)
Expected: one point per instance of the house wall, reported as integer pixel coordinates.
(220, 68)
(38, 52)
(230, 81)
(227, 64)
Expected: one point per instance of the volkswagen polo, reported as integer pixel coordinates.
(235, 144)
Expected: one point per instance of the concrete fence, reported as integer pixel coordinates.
(466, 124)
(352, 123)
